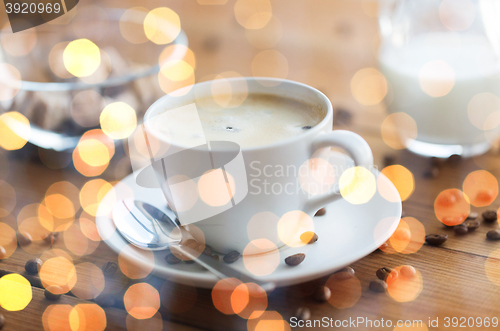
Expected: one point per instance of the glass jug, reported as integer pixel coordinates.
(441, 60)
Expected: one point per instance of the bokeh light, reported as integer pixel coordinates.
(87, 317)
(58, 271)
(291, 225)
(10, 83)
(15, 292)
(162, 25)
(118, 120)
(403, 180)
(92, 194)
(482, 110)
(81, 57)
(57, 317)
(451, 207)
(154, 323)
(258, 224)
(368, 86)
(221, 294)
(141, 301)
(69, 191)
(8, 239)
(398, 129)
(56, 62)
(270, 63)
(267, 36)
(224, 90)
(436, 78)
(253, 14)
(88, 227)
(270, 320)
(90, 281)
(214, 189)
(19, 43)
(249, 300)
(258, 263)
(457, 15)
(15, 129)
(316, 176)
(93, 153)
(357, 185)
(481, 187)
(176, 76)
(77, 243)
(177, 52)
(345, 291)
(405, 289)
(131, 25)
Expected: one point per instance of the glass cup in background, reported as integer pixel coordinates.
(441, 59)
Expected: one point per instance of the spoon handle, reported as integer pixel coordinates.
(222, 270)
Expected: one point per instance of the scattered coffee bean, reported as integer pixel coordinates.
(51, 238)
(24, 238)
(347, 271)
(53, 292)
(105, 300)
(231, 257)
(3, 253)
(461, 229)
(472, 225)
(493, 234)
(389, 160)
(33, 265)
(2, 321)
(216, 257)
(307, 127)
(303, 314)
(109, 268)
(189, 261)
(322, 294)
(320, 212)
(295, 259)
(172, 259)
(472, 216)
(208, 250)
(309, 237)
(436, 239)
(490, 216)
(407, 271)
(382, 273)
(378, 286)
(431, 172)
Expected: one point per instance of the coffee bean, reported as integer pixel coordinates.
(493, 234)
(216, 257)
(208, 250)
(382, 273)
(308, 237)
(472, 216)
(490, 216)
(436, 239)
(295, 259)
(378, 286)
(347, 271)
(3, 253)
(33, 265)
(24, 238)
(320, 212)
(407, 271)
(189, 261)
(172, 259)
(105, 300)
(53, 292)
(109, 268)
(472, 225)
(461, 229)
(307, 127)
(303, 314)
(51, 238)
(2, 321)
(431, 172)
(232, 257)
(322, 294)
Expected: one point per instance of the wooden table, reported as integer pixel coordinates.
(325, 44)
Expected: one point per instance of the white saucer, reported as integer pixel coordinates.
(346, 233)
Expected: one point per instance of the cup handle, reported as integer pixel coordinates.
(355, 146)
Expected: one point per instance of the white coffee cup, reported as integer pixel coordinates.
(229, 228)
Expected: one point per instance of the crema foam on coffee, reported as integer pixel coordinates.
(261, 119)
